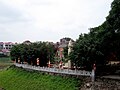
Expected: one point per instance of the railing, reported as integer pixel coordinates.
(56, 70)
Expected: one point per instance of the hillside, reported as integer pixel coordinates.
(19, 79)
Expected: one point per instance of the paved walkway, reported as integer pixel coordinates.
(116, 77)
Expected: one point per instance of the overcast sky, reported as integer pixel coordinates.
(49, 20)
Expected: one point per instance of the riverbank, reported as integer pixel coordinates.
(19, 79)
(14, 78)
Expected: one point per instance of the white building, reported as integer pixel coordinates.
(5, 47)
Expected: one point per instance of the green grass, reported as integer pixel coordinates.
(20, 79)
(5, 62)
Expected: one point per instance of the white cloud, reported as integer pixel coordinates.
(50, 19)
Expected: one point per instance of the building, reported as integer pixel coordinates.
(27, 42)
(70, 46)
(5, 47)
(61, 50)
(64, 42)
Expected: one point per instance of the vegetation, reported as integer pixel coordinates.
(5, 62)
(101, 44)
(19, 79)
(65, 52)
(29, 53)
(2, 55)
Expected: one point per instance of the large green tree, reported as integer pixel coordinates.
(101, 44)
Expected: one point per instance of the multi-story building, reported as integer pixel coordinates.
(8, 45)
(5, 47)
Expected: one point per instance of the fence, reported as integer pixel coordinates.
(56, 70)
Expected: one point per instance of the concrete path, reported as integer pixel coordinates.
(116, 77)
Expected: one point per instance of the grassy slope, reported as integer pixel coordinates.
(19, 79)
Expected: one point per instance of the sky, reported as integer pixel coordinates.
(49, 20)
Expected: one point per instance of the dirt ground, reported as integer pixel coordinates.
(103, 83)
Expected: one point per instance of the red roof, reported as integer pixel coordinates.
(1, 43)
(5, 50)
(9, 43)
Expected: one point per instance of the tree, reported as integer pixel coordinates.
(29, 53)
(65, 52)
(100, 43)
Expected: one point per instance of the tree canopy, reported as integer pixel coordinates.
(29, 53)
(101, 44)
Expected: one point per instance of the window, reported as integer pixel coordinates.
(6, 45)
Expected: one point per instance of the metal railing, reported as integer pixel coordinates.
(56, 70)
